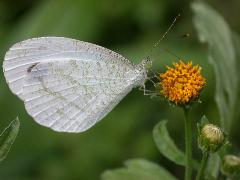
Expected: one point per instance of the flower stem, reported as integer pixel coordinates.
(202, 166)
(188, 143)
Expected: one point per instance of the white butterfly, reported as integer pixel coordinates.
(69, 85)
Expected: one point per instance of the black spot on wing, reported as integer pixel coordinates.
(29, 69)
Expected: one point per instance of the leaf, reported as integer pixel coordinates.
(203, 121)
(236, 40)
(7, 138)
(138, 169)
(166, 145)
(213, 165)
(213, 29)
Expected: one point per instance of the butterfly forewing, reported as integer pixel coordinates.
(25, 54)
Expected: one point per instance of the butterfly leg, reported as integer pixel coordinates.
(147, 92)
(155, 75)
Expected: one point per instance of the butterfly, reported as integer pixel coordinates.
(69, 85)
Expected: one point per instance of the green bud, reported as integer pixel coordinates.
(211, 138)
(231, 166)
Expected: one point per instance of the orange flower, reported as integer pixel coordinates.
(182, 83)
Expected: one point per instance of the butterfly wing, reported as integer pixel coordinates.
(71, 89)
(22, 56)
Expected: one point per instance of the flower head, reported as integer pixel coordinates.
(182, 83)
(211, 138)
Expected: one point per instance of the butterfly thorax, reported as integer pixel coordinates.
(141, 71)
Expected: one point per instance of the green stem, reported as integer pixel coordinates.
(188, 143)
(202, 166)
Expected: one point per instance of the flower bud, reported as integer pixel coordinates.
(211, 138)
(231, 166)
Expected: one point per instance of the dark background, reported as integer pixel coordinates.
(129, 27)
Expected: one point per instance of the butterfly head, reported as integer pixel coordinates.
(147, 63)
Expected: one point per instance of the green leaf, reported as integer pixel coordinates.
(213, 29)
(213, 165)
(166, 145)
(138, 169)
(7, 138)
(236, 41)
(203, 121)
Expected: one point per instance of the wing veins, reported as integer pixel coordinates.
(80, 111)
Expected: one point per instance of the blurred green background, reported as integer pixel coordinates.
(129, 27)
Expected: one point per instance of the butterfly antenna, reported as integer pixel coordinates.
(171, 53)
(156, 44)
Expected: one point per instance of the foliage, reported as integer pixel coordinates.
(213, 29)
(166, 145)
(7, 138)
(138, 169)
